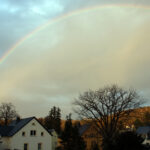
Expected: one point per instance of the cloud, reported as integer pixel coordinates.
(88, 50)
(19, 18)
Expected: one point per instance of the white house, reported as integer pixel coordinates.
(25, 134)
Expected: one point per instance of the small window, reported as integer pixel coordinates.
(93, 143)
(32, 132)
(42, 133)
(23, 133)
(39, 146)
(33, 124)
(25, 146)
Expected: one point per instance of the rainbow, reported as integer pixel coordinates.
(66, 16)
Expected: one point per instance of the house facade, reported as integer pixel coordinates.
(25, 134)
(90, 136)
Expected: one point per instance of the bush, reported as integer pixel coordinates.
(129, 141)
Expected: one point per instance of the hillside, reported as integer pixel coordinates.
(137, 114)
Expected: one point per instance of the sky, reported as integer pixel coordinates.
(53, 50)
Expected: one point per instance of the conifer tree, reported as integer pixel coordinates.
(70, 138)
(53, 120)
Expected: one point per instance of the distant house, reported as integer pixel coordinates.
(145, 133)
(25, 134)
(90, 136)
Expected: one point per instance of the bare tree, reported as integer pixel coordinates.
(7, 112)
(105, 107)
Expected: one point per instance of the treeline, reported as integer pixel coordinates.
(69, 136)
(107, 108)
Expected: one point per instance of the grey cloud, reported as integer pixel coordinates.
(89, 50)
(65, 58)
(20, 17)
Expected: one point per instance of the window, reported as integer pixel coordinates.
(25, 146)
(42, 133)
(23, 133)
(33, 124)
(85, 143)
(39, 146)
(93, 143)
(32, 132)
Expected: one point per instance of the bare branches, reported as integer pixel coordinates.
(107, 106)
(7, 112)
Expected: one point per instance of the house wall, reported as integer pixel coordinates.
(91, 137)
(54, 140)
(5, 143)
(17, 141)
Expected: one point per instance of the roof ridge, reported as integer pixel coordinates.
(27, 118)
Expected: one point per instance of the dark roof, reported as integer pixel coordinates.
(51, 130)
(143, 130)
(83, 128)
(5, 130)
(14, 127)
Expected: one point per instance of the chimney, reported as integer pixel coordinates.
(18, 119)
